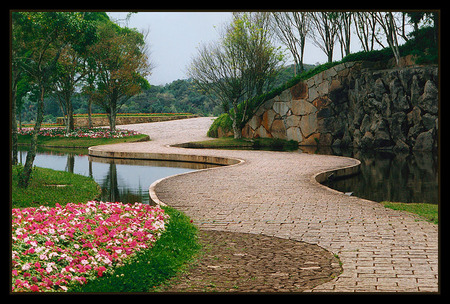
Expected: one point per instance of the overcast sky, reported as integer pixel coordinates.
(174, 36)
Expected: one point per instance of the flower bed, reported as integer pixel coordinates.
(56, 248)
(80, 132)
(132, 114)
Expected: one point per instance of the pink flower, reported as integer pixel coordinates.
(34, 288)
(80, 241)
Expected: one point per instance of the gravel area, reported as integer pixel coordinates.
(244, 262)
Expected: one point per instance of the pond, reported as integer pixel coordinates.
(121, 180)
(387, 176)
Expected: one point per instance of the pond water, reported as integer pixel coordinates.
(121, 180)
(387, 176)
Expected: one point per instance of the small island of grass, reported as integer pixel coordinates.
(244, 144)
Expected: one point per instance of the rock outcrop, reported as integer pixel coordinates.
(356, 104)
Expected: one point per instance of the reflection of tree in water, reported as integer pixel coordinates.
(70, 162)
(397, 177)
(111, 191)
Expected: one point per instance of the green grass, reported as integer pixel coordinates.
(245, 143)
(428, 211)
(177, 246)
(48, 187)
(82, 142)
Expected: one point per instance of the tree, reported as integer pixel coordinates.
(291, 28)
(344, 23)
(240, 66)
(70, 70)
(325, 32)
(366, 27)
(42, 37)
(121, 65)
(387, 23)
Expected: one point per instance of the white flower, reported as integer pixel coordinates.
(48, 268)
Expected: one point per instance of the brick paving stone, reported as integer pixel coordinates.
(274, 193)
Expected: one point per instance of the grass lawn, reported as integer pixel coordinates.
(48, 187)
(428, 211)
(245, 143)
(82, 142)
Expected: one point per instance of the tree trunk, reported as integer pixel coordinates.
(70, 122)
(25, 176)
(236, 129)
(90, 112)
(330, 56)
(112, 120)
(14, 124)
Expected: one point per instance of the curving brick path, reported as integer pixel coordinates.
(275, 194)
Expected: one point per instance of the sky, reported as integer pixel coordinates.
(174, 37)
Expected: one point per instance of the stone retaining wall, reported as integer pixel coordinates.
(121, 120)
(356, 104)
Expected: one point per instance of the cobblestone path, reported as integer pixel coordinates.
(275, 194)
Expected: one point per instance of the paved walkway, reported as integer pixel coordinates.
(275, 194)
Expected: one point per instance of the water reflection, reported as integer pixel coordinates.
(387, 176)
(120, 180)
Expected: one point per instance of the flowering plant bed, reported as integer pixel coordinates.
(133, 114)
(54, 249)
(80, 132)
(80, 138)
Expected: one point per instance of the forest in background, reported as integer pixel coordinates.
(179, 96)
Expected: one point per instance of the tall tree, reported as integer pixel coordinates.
(365, 27)
(44, 35)
(291, 28)
(344, 23)
(240, 66)
(122, 66)
(70, 70)
(325, 32)
(387, 23)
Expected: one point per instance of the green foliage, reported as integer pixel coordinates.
(270, 144)
(151, 267)
(224, 122)
(423, 46)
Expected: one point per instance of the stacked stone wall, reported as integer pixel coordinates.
(356, 104)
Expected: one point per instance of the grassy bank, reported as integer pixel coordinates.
(82, 142)
(429, 211)
(245, 143)
(48, 187)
